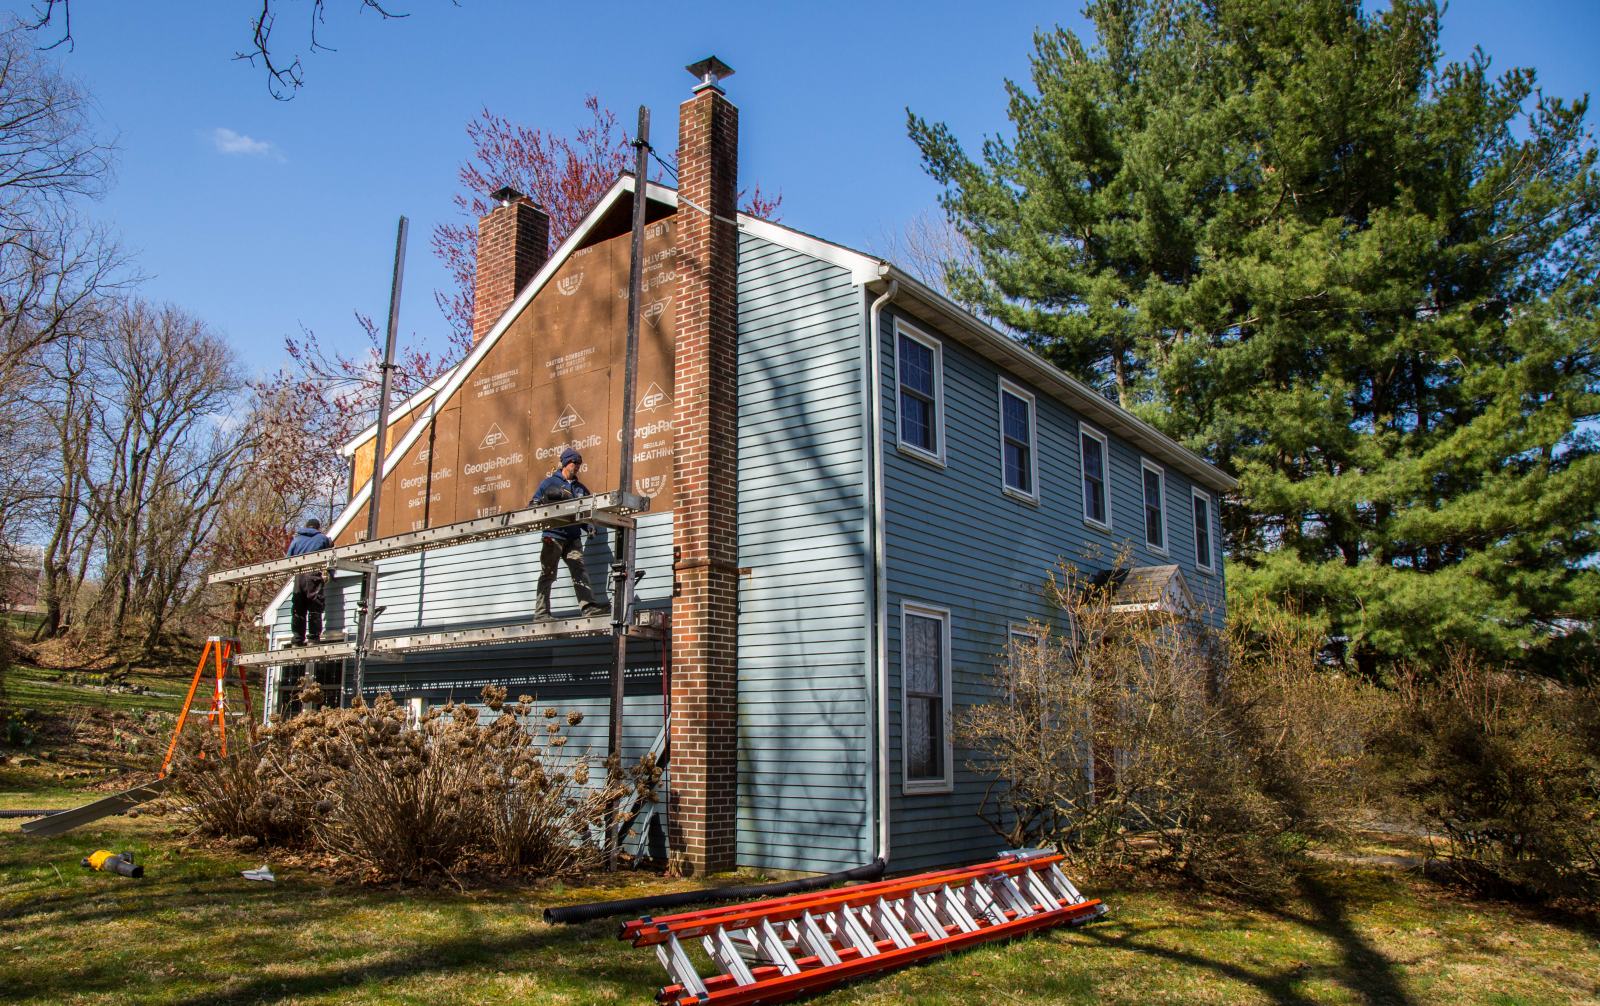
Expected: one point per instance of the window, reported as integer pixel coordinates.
(1094, 454)
(1155, 513)
(925, 678)
(1019, 459)
(1021, 648)
(1202, 531)
(919, 375)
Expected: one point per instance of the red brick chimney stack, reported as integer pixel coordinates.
(704, 727)
(513, 243)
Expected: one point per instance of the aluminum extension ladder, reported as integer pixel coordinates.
(771, 951)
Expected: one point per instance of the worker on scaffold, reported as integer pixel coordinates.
(307, 604)
(564, 543)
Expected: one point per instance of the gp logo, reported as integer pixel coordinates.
(655, 309)
(494, 438)
(653, 398)
(568, 420)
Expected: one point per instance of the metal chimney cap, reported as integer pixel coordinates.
(505, 195)
(711, 71)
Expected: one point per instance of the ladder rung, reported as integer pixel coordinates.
(778, 949)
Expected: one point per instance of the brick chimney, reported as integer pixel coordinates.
(513, 243)
(704, 727)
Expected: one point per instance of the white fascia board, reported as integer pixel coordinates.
(453, 379)
(1084, 399)
(349, 449)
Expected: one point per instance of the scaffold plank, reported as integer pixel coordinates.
(612, 509)
(414, 642)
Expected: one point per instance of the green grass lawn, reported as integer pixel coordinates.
(194, 932)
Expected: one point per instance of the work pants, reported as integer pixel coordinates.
(557, 550)
(307, 606)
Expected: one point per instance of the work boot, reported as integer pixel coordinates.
(591, 610)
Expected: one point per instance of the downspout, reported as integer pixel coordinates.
(880, 590)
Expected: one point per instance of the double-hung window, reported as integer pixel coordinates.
(925, 679)
(1019, 454)
(1094, 457)
(1202, 531)
(919, 376)
(1155, 510)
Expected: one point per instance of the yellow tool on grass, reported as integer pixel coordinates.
(113, 862)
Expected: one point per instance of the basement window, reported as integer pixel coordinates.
(919, 374)
(925, 683)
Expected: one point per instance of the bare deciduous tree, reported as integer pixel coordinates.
(283, 78)
(169, 443)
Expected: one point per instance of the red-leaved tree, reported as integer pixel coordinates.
(564, 175)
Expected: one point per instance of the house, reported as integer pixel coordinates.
(857, 490)
(21, 571)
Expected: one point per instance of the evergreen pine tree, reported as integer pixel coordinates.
(1363, 280)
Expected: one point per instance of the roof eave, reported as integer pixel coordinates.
(1005, 350)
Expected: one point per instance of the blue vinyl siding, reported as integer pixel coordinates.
(803, 728)
(955, 540)
(804, 734)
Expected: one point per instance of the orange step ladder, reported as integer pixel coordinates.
(219, 651)
(772, 951)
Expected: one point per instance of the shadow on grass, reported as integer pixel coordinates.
(1364, 970)
(301, 942)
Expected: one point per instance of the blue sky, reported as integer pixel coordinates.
(263, 216)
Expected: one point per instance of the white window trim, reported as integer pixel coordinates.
(1085, 430)
(1146, 465)
(912, 450)
(908, 785)
(1026, 631)
(1012, 388)
(1209, 566)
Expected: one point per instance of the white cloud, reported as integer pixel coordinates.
(229, 142)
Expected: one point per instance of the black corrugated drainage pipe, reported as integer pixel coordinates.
(635, 907)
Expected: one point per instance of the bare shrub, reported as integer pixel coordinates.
(1309, 727)
(399, 801)
(1507, 770)
(1136, 740)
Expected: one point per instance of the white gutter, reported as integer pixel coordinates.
(879, 673)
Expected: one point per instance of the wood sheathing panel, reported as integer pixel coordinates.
(553, 380)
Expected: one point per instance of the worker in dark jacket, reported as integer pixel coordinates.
(564, 543)
(308, 599)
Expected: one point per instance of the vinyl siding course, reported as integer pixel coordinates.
(802, 633)
(955, 540)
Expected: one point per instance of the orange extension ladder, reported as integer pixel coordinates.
(219, 651)
(772, 951)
